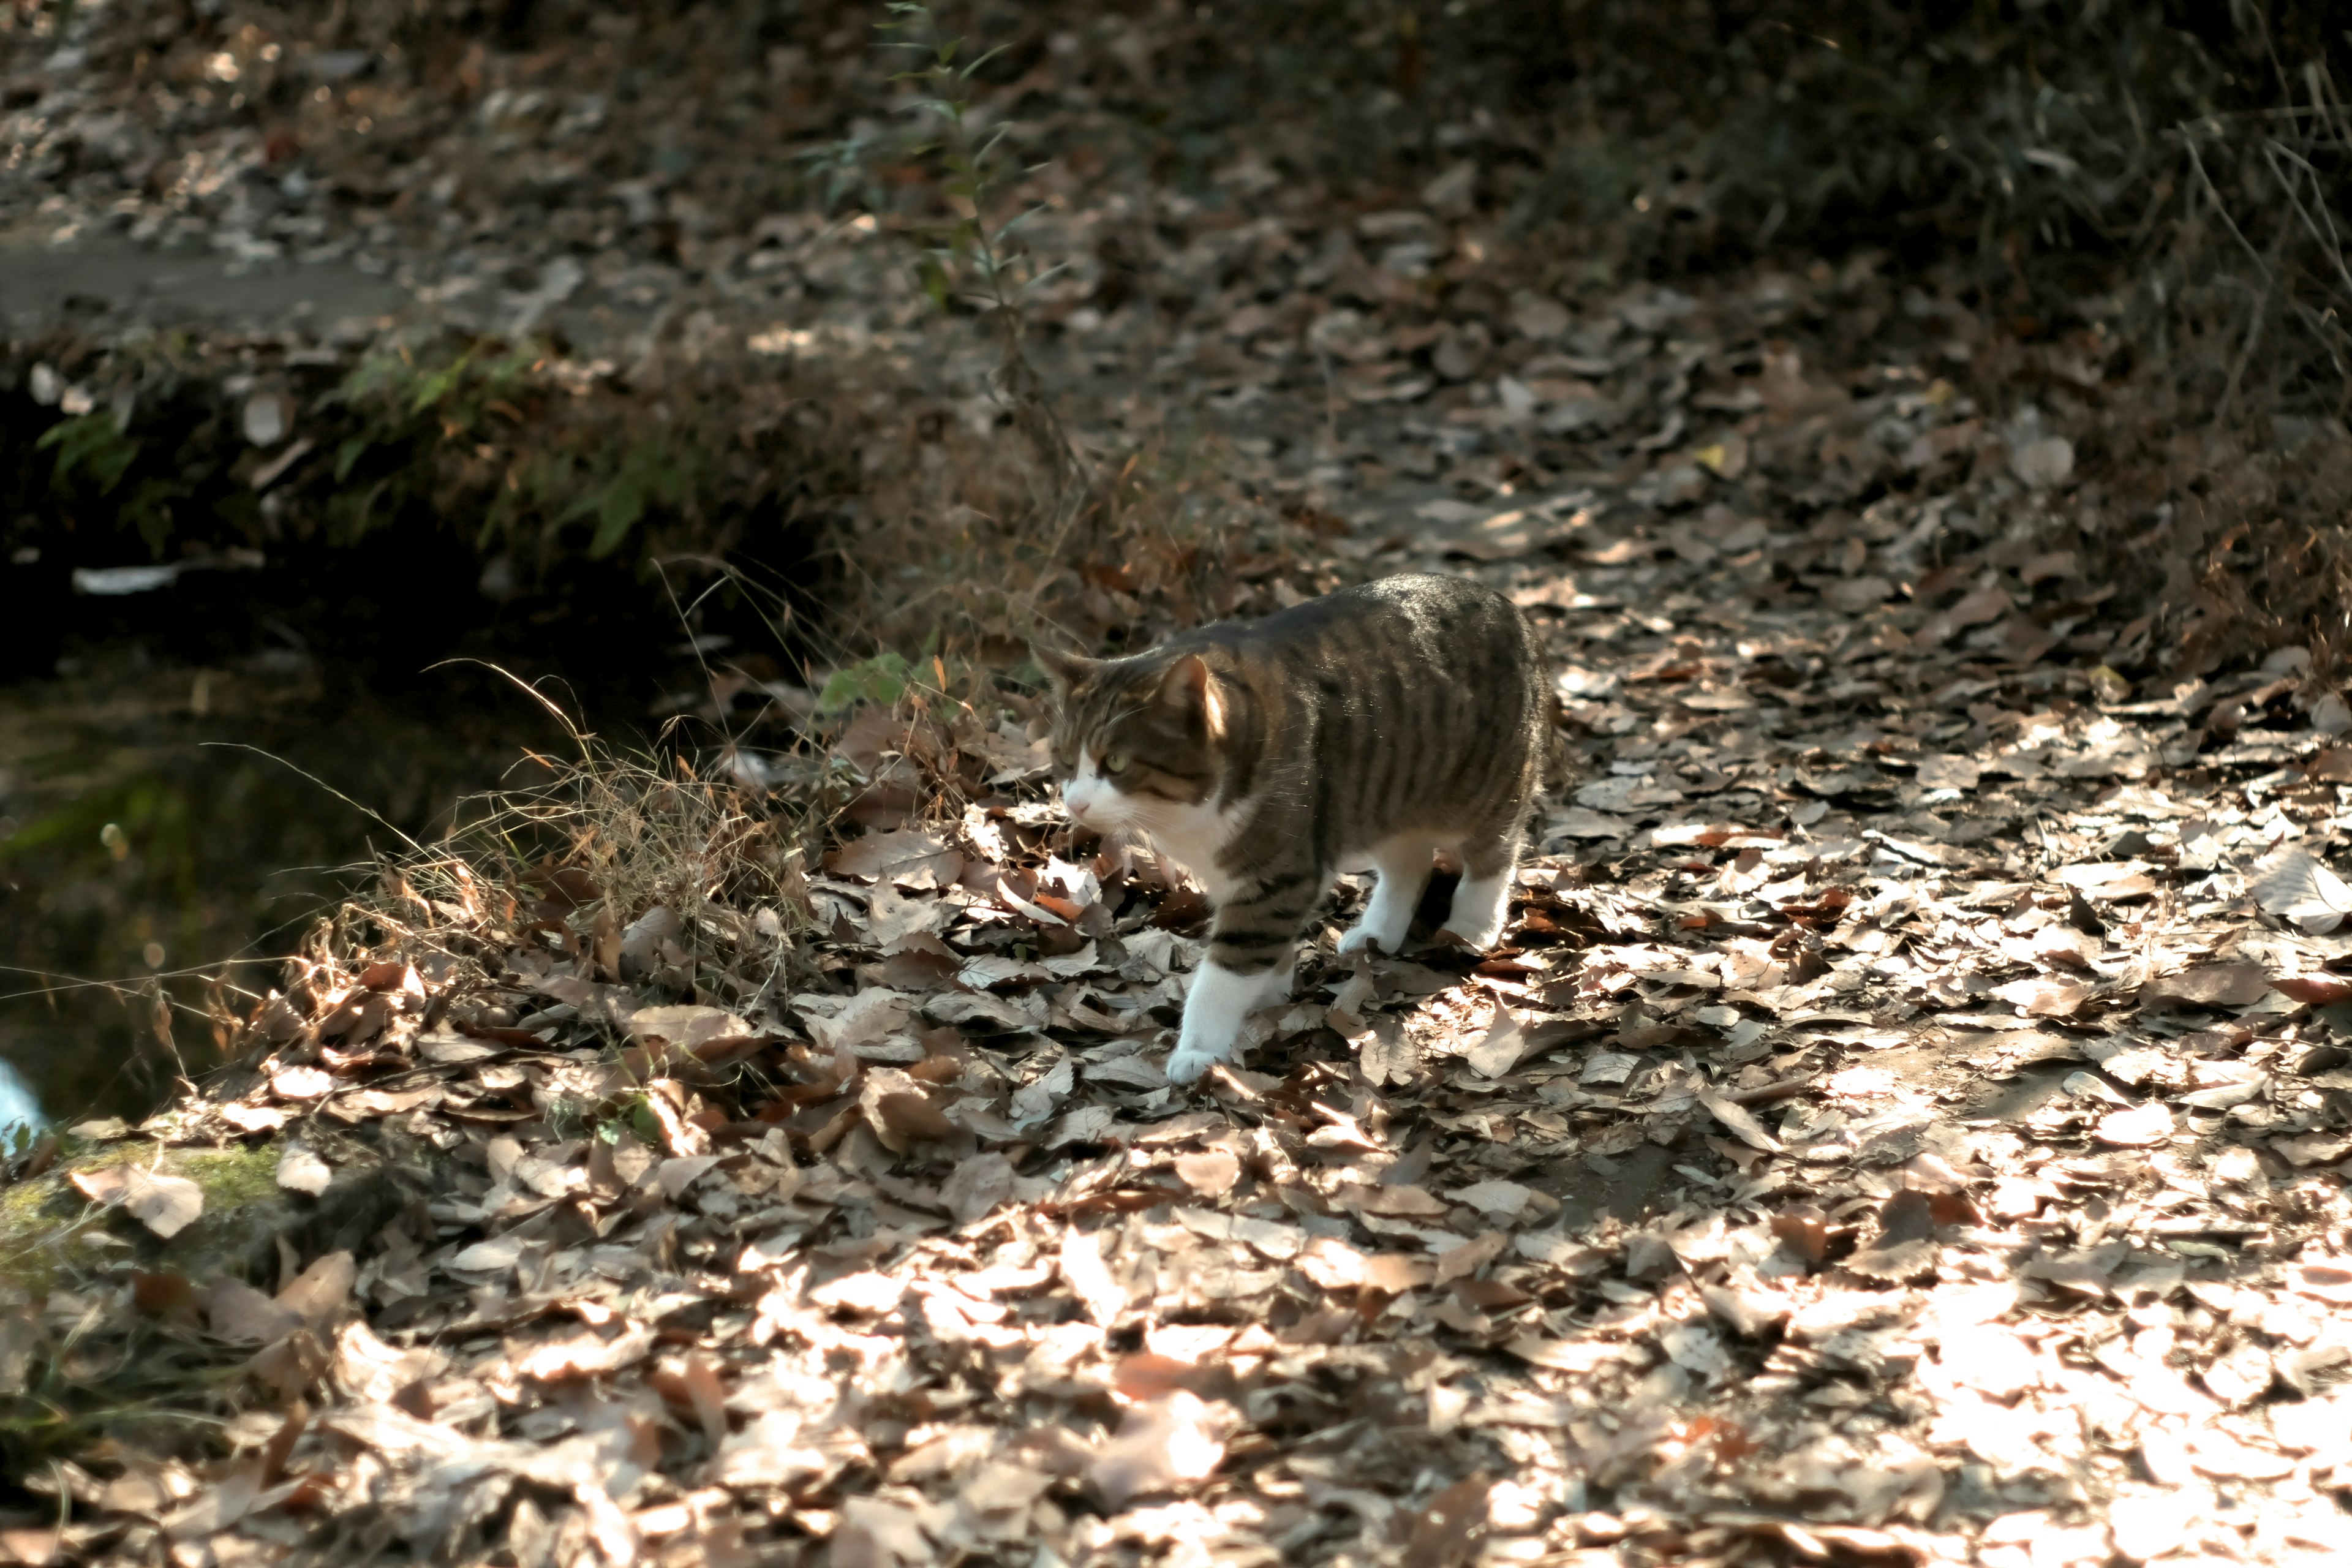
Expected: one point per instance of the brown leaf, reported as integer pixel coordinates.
(1499, 1049)
(320, 1292)
(1973, 609)
(1566, 1355)
(1905, 1245)
(2312, 1148)
(1146, 1376)
(588, 1354)
(300, 1083)
(908, 1116)
(1083, 1271)
(2046, 995)
(32, 1548)
(1397, 1272)
(910, 859)
(686, 1026)
(666, 1100)
(1403, 1201)
(1212, 1173)
(2209, 986)
(163, 1203)
(677, 1175)
(693, 1387)
(1331, 1263)
(976, 1187)
(1803, 1230)
(300, 1171)
(1389, 1054)
(2317, 990)
(240, 1314)
(159, 1294)
(1738, 1120)
(2137, 1128)
(2297, 887)
(1466, 1259)
(1442, 1532)
(1158, 1448)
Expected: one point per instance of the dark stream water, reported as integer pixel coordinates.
(182, 785)
(158, 837)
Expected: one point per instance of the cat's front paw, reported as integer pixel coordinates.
(1360, 937)
(1187, 1064)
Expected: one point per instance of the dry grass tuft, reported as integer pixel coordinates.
(609, 867)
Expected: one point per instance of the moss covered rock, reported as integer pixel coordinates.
(52, 1234)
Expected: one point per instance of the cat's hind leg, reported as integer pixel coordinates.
(1402, 865)
(1481, 901)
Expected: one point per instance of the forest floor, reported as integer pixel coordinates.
(1906, 1123)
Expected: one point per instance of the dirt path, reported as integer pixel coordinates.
(1895, 1135)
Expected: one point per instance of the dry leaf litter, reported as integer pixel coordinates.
(1906, 1123)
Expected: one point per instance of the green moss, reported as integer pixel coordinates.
(50, 1235)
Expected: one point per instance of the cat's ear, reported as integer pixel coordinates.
(1065, 671)
(1189, 684)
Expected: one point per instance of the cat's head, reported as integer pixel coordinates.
(1134, 736)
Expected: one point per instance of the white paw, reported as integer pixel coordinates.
(1361, 935)
(1215, 1004)
(1481, 908)
(1187, 1063)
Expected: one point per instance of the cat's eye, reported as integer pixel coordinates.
(1114, 762)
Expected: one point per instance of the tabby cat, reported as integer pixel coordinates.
(1365, 730)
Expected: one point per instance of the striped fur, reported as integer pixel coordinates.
(1364, 731)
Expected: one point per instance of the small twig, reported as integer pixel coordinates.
(1763, 1093)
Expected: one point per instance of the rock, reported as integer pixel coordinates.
(50, 1235)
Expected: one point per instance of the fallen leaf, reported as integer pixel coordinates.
(1461, 1262)
(2211, 985)
(1949, 773)
(685, 1026)
(1390, 1056)
(1504, 1200)
(1564, 1355)
(1158, 1447)
(910, 859)
(1498, 1050)
(2315, 990)
(1739, 1121)
(240, 1314)
(2312, 1148)
(1905, 1245)
(499, 1255)
(1803, 1230)
(2137, 1128)
(1211, 1173)
(2046, 995)
(2043, 463)
(163, 1203)
(301, 1083)
(1394, 1273)
(2291, 884)
(1083, 1271)
(300, 1171)
(588, 1354)
(677, 1174)
(976, 1187)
